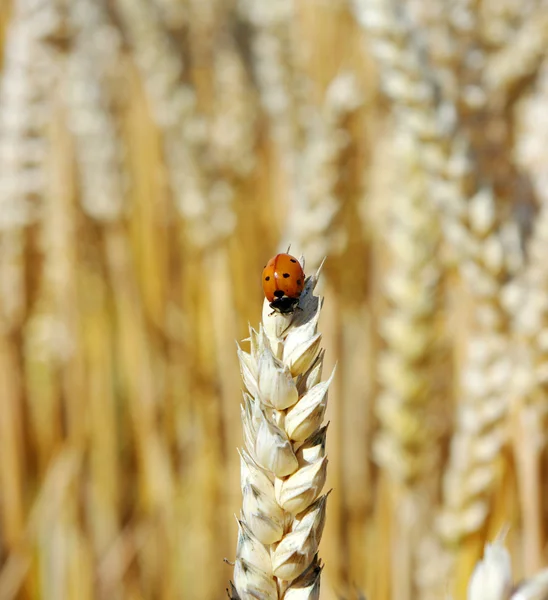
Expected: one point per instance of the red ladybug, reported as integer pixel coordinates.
(283, 282)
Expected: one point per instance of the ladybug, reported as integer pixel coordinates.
(283, 282)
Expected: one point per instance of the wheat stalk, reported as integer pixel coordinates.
(283, 464)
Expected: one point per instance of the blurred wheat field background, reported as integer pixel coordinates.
(154, 154)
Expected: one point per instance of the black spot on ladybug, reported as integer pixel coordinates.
(286, 275)
(279, 294)
(298, 282)
(267, 278)
(292, 260)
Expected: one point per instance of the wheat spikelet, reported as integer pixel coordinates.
(283, 465)
(492, 578)
(503, 20)
(520, 54)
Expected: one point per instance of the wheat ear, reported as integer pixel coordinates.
(283, 465)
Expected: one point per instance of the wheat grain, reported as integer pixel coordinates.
(283, 465)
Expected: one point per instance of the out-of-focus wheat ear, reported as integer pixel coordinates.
(29, 75)
(316, 201)
(526, 299)
(483, 401)
(283, 467)
(278, 70)
(201, 194)
(30, 72)
(234, 124)
(407, 446)
(487, 255)
(93, 67)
